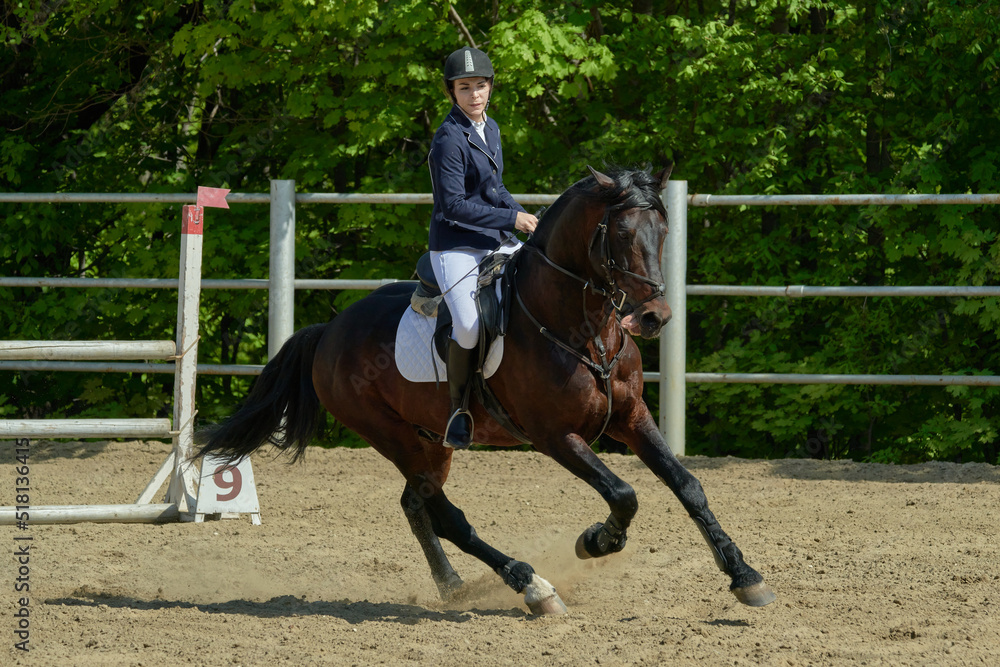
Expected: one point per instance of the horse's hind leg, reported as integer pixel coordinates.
(419, 457)
(447, 580)
(425, 465)
(450, 523)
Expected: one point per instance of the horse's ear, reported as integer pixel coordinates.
(664, 175)
(602, 180)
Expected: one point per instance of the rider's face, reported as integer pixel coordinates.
(471, 96)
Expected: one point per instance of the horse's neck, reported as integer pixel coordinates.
(571, 307)
(566, 306)
(567, 243)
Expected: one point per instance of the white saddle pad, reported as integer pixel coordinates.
(416, 358)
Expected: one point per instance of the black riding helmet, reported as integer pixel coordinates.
(465, 63)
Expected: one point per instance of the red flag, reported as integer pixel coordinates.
(214, 197)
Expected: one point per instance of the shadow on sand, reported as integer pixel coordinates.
(290, 606)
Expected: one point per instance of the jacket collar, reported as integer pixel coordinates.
(458, 116)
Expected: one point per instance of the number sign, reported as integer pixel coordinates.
(227, 488)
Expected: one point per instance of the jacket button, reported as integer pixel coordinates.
(494, 171)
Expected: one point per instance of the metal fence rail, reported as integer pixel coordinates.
(672, 374)
(673, 388)
(799, 291)
(810, 378)
(844, 200)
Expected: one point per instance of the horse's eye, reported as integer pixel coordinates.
(623, 235)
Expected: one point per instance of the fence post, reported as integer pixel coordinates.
(673, 340)
(181, 490)
(281, 280)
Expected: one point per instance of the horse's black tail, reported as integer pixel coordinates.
(282, 408)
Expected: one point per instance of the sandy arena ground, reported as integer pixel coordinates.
(872, 564)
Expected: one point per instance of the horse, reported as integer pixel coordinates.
(585, 282)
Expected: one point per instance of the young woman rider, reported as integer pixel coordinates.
(473, 216)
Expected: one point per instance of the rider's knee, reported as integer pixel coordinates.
(467, 336)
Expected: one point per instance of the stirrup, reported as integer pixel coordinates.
(461, 436)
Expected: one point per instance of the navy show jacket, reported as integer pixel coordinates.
(472, 208)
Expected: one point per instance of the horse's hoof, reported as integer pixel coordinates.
(581, 542)
(552, 606)
(449, 588)
(757, 595)
(542, 599)
(581, 548)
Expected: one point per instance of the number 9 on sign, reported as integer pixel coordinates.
(227, 488)
(234, 484)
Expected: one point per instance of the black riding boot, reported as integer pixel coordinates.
(458, 434)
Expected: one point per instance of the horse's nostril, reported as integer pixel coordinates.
(651, 321)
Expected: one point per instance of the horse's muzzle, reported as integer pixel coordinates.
(648, 319)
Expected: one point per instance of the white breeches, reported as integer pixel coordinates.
(456, 272)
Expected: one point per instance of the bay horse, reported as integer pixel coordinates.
(588, 278)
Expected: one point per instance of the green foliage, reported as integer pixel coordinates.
(801, 96)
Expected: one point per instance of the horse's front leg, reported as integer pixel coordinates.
(573, 453)
(646, 441)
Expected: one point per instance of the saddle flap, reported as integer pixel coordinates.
(491, 297)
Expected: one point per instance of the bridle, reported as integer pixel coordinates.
(604, 263)
(599, 251)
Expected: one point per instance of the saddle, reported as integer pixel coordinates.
(494, 315)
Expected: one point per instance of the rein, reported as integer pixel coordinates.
(603, 369)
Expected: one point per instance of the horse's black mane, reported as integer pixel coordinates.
(634, 188)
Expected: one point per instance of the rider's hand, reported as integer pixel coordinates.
(525, 222)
